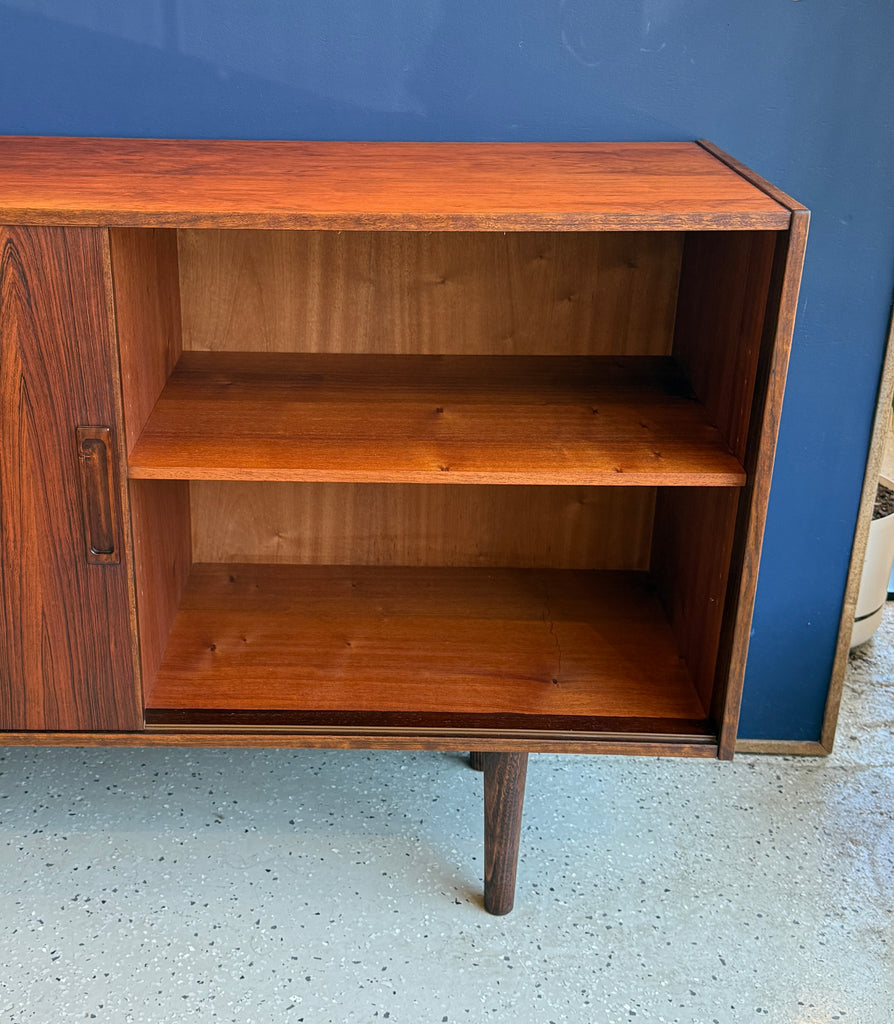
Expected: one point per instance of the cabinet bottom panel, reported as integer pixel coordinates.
(424, 649)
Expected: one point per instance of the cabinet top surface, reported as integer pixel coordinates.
(381, 186)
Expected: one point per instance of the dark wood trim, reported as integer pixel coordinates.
(504, 796)
(476, 760)
(687, 730)
(372, 739)
(780, 318)
(799, 748)
(115, 374)
(767, 412)
(776, 194)
(767, 221)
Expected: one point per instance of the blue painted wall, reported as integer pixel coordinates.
(801, 90)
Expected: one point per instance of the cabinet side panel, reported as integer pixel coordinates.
(66, 649)
(691, 557)
(407, 524)
(521, 293)
(147, 310)
(720, 318)
(162, 559)
(772, 367)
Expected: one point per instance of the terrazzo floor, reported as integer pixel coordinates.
(203, 885)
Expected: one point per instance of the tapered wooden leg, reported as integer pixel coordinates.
(504, 795)
(476, 760)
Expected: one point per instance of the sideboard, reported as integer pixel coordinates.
(387, 445)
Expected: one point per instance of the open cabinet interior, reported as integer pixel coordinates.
(419, 481)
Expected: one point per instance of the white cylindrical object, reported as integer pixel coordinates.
(874, 581)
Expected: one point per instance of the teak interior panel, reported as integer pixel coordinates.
(375, 185)
(409, 524)
(403, 640)
(724, 285)
(430, 419)
(520, 293)
(146, 291)
(693, 541)
(162, 560)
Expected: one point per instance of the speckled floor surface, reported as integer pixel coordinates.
(180, 885)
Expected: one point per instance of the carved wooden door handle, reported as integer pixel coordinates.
(98, 495)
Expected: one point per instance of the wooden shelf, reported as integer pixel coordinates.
(424, 647)
(431, 419)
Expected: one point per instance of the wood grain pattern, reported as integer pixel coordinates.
(147, 313)
(429, 419)
(504, 795)
(336, 441)
(724, 285)
(146, 292)
(783, 748)
(763, 424)
(768, 188)
(99, 495)
(162, 558)
(403, 723)
(408, 524)
(411, 186)
(691, 553)
(376, 739)
(725, 335)
(778, 327)
(394, 641)
(430, 292)
(66, 655)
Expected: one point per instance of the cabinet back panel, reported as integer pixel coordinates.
(412, 525)
(525, 293)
